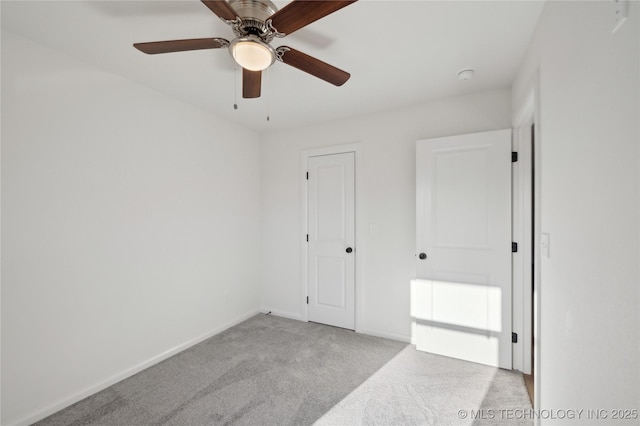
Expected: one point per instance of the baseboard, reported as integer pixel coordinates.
(129, 372)
(384, 334)
(367, 331)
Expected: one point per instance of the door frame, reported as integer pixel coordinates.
(521, 233)
(358, 248)
(528, 113)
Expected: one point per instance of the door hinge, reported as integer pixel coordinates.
(307, 237)
(514, 247)
(307, 300)
(514, 157)
(514, 337)
(307, 175)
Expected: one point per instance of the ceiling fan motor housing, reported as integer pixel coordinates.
(254, 15)
(259, 9)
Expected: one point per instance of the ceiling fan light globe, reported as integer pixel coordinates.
(252, 54)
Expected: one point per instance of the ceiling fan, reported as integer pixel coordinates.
(256, 23)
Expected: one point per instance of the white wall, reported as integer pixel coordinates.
(589, 160)
(130, 225)
(387, 193)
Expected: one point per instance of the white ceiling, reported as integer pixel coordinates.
(399, 53)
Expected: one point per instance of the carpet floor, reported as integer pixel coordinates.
(274, 371)
(264, 371)
(418, 388)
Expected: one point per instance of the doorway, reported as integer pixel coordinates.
(526, 231)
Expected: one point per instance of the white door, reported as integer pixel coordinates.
(461, 301)
(331, 233)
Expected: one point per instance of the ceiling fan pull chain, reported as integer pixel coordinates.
(267, 95)
(235, 87)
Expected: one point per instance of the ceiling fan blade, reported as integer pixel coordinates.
(251, 83)
(300, 13)
(169, 46)
(313, 66)
(221, 8)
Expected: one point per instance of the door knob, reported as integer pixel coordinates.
(422, 256)
(349, 249)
